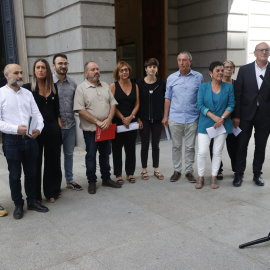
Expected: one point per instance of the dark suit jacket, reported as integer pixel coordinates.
(247, 93)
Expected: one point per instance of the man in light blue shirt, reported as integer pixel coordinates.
(181, 114)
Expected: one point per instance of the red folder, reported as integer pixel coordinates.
(108, 134)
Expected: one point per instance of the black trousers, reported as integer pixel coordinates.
(50, 141)
(155, 129)
(128, 140)
(231, 142)
(262, 129)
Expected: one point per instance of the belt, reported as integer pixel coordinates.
(14, 136)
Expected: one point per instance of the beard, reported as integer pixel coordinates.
(94, 78)
(62, 71)
(16, 83)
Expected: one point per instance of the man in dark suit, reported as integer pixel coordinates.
(252, 109)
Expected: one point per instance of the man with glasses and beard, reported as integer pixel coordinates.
(66, 90)
(17, 104)
(95, 104)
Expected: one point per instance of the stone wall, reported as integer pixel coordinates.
(199, 27)
(83, 30)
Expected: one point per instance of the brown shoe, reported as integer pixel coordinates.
(190, 178)
(176, 175)
(92, 188)
(110, 183)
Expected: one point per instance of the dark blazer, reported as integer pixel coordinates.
(205, 104)
(247, 93)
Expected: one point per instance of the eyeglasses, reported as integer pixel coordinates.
(262, 50)
(124, 70)
(228, 67)
(63, 64)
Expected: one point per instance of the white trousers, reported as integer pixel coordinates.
(203, 152)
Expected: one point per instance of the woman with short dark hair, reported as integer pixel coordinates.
(50, 139)
(152, 91)
(215, 103)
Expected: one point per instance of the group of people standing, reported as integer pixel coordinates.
(184, 103)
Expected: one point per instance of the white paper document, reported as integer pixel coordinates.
(32, 124)
(214, 132)
(132, 126)
(236, 131)
(167, 132)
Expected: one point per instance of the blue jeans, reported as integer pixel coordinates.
(104, 149)
(21, 152)
(68, 138)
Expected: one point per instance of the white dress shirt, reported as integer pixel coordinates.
(259, 71)
(15, 109)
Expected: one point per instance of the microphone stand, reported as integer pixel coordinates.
(255, 242)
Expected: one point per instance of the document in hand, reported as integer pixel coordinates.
(236, 131)
(132, 126)
(167, 132)
(214, 132)
(103, 135)
(32, 124)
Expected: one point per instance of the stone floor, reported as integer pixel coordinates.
(147, 225)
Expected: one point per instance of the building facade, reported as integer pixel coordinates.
(106, 31)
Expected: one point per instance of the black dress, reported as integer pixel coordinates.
(50, 141)
(126, 104)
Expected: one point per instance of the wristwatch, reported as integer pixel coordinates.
(223, 117)
(133, 116)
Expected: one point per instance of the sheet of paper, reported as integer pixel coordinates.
(214, 132)
(167, 132)
(236, 131)
(132, 126)
(32, 124)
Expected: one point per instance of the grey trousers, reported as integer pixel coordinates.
(178, 131)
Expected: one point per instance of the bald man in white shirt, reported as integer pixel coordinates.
(21, 150)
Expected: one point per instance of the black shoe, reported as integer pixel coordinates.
(92, 188)
(258, 180)
(238, 179)
(37, 207)
(18, 212)
(220, 176)
(110, 183)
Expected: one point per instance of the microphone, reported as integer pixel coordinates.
(265, 80)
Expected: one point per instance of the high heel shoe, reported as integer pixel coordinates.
(200, 182)
(214, 184)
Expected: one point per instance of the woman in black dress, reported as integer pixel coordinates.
(46, 97)
(127, 96)
(152, 91)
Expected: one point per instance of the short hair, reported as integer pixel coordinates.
(186, 52)
(48, 80)
(261, 43)
(119, 65)
(6, 70)
(230, 62)
(151, 62)
(59, 55)
(215, 64)
(85, 67)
